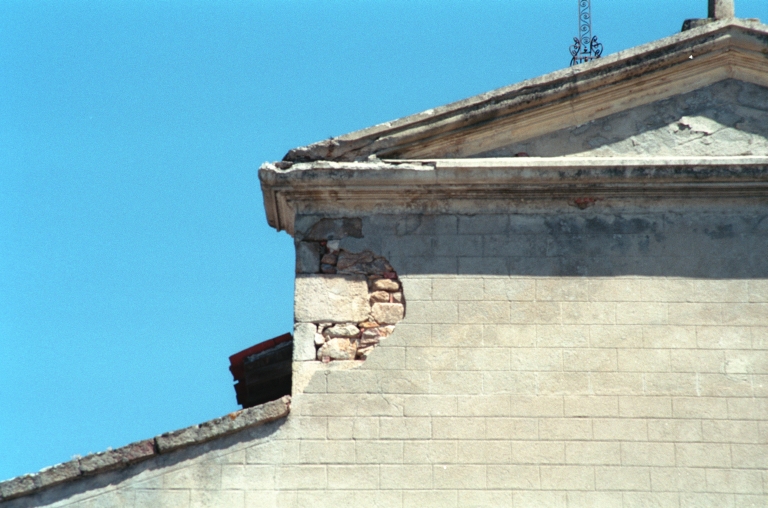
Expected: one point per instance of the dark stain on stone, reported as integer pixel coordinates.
(620, 244)
(564, 226)
(365, 262)
(618, 226)
(721, 232)
(644, 244)
(335, 229)
(571, 268)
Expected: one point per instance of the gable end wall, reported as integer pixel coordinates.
(612, 356)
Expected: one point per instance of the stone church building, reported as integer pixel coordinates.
(554, 294)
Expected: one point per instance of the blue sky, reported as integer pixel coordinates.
(134, 252)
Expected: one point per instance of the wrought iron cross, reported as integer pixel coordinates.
(585, 47)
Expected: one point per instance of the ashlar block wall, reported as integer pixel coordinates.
(568, 358)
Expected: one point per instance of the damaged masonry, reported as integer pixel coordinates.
(346, 302)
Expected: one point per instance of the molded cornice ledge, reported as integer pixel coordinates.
(455, 185)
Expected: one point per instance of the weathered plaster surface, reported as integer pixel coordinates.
(729, 118)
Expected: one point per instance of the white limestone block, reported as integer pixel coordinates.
(304, 342)
(388, 313)
(338, 349)
(331, 298)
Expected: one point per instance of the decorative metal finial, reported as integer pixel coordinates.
(585, 47)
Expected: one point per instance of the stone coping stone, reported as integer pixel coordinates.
(133, 453)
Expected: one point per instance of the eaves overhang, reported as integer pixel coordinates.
(455, 185)
(683, 62)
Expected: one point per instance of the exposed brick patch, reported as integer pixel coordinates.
(139, 451)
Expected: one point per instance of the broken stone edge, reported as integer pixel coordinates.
(140, 451)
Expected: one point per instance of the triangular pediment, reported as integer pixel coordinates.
(701, 92)
(728, 118)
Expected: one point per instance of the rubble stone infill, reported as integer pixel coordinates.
(353, 332)
(353, 341)
(143, 450)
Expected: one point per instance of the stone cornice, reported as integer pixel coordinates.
(634, 77)
(140, 451)
(451, 184)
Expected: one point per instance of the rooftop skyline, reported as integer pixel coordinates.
(134, 252)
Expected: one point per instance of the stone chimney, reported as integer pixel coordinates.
(717, 10)
(721, 9)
